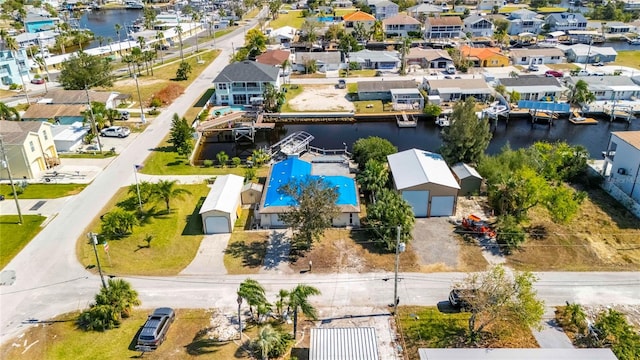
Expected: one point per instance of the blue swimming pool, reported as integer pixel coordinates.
(326, 19)
(227, 109)
(296, 169)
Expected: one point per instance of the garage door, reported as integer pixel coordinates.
(442, 206)
(419, 200)
(216, 225)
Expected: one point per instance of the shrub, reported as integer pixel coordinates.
(155, 102)
(14, 86)
(207, 163)
(203, 115)
(236, 161)
(170, 93)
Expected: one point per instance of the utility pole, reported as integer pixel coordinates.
(139, 100)
(5, 164)
(239, 299)
(399, 248)
(94, 242)
(93, 118)
(135, 173)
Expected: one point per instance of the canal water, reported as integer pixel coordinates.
(518, 133)
(102, 23)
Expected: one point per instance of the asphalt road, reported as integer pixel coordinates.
(50, 281)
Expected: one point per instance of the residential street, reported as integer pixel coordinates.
(50, 281)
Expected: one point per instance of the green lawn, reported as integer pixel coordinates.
(508, 9)
(563, 67)
(352, 88)
(629, 58)
(245, 252)
(44, 191)
(293, 18)
(292, 92)
(104, 154)
(62, 340)
(358, 73)
(375, 106)
(550, 9)
(176, 237)
(15, 236)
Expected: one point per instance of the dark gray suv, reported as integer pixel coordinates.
(155, 329)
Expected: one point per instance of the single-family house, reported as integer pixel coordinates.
(350, 20)
(468, 178)
(38, 22)
(383, 9)
(69, 138)
(381, 60)
(284, 35)
(424, 9)
(330, 343)
(618, 27)
(403, 94)
(583, 53)
(29, 148)
(622, 163)
(244, 82)
(63, 114)
(631, 5)
(478, 26)
(222, 205)
(484, 57)
(526, 56)
(446, 27)
(325, 61)
(342, 3)
(491, 4)
(524, 21)
(566, 21)
(609, 87)
(402, 25)
(44, 37)
(274, 202)
(13, 66)
(111, 99)
(425, 181)
(429, 58)
(449, 90)
(275, 57)
(536, 88)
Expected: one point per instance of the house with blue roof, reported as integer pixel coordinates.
(275, 202)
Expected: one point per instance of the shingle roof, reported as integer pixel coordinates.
(15, 132)
(472, 19)
(50, 111)
(631, 137)
(358, 16)
(536, 52)
(444, 21)
(247, 71)
(400, 19)
(373, 56)
(273, 57)
(530, 81)
(331, 57)
(369, 86)
(61, 96)
(429, 54)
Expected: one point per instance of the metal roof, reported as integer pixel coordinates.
(375, 86)
(520, 354)
(464, 171)
(416, 167)
(544, 105)
(343, 344)
(224, 194)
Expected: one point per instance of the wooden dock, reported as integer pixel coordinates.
(404, 122)
(578, 119)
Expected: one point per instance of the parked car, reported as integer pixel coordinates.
(37, 81)
(115, 131)
(553, 73)
(124, 115)
(459, 298)
(598, 73)
(533, 67)
(583, 73)
(342, 84)
(154, 331)
(600, 63)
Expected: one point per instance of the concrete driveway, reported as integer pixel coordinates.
(435, 242)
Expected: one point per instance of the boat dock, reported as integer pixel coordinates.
(403, 120)
(578, 119)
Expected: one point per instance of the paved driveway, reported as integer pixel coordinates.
(435, 243)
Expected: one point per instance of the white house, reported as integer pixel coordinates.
(583, 53)
(609, 87)
(69, 137)
(244, 82)
(401, 25)
(383, 9)
(284, 35)
(490, 4)
(622, 164)
(425, 181)
(566, 21)
(443, 27)
(222, 205)
(478, 26)
(526, 56)
(524, 21)
(534, 87)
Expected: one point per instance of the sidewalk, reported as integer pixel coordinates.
(43, 207)
(551, 336)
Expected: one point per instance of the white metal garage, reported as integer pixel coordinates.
(222, 205)
(425, 181)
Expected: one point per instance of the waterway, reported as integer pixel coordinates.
(518, 133)
(102, 23)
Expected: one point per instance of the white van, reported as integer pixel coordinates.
(451, 69)
(583, 72)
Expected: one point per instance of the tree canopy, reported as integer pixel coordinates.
(84, 70)
(112, 304)
(180, 136)
(385, 215)
(373, 147)
(255, 42)
(468, 137)
(313, 209)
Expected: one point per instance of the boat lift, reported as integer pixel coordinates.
(294, 144)
(543, 111)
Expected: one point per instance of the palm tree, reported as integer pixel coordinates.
(223, 158)
(513, 74)
(281, 302)
(166, 190)
(120, 295)
(268, 338)
(160, 38)
(377, 31)
(8, 113)
(404, 51)
(195, 17)
(118, 27)
(148, 57)
(577, 316)
(3, 35)
(253, 293)
(109, 42)
(179, 31)
(298, 299)
(100, 40)
(581, 93)
(373, 178)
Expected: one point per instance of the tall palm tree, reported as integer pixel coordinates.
(373, 178)
(404, 51)
(299, 300)
(118, 27)
(160, 38)
(100, 40)
(253, 293)
(281, 302)
(268, 338)
(3, 35)
(195, 17)
(581, 93)
(179, 31)
(166, 190)
(8, 113)
(148, 57)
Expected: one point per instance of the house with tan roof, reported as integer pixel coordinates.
(74, 97)
(484, 57)
(536, 56)
(402, 25)
(447, 27)
(29, 148)
(58, 113)
(429, 58)
(350, 20)
(273, 57)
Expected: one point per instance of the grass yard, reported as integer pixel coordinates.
(14, 236)
(358, 73)
(564, 67)
(43, 191)
(628, 58)
(104, 154)
(352, 88)
(430, 327)
(470, 258)
(370, 106)
(163, 161)
(60, 339)
(550, 10)
(164, 75)
(293, 18)
(292, 92)
(246, 251)
(603, 236)
(176, 237)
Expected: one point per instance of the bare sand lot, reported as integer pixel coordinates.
(321, 98)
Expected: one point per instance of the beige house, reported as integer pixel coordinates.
(29, 148)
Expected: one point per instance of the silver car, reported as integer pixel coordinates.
(115, 131)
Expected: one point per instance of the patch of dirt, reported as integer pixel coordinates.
(476, 205)
(141, 81)
(321, 98)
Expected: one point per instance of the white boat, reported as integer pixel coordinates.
(495, 109)
(133, 4)
(442, 121)
(635, 41)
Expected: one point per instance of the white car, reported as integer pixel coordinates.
(115, 131)
(533, 67)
